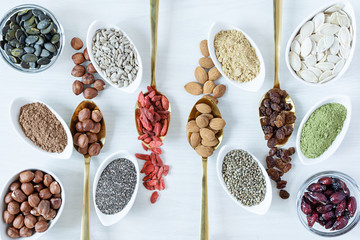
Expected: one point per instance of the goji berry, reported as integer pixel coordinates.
(148, 169)
(152, 182)
(160, 172)
(159, 162)
(156, 150)
(164, 128)
(154, 197)
(147, 140)
(166, 170)
(142, 156)
(165, 103)
(162, 184)
(144, 147)
(157, 129)
(154, 144)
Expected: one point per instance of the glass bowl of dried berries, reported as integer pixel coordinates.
(327, 203)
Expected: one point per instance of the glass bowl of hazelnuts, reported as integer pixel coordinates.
(31, 203)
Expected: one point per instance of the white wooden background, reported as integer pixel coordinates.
(182, 25)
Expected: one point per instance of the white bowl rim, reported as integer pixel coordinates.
(261, 208)
(5, 190)
(108, 220)
(351, 13)
(95, 25)
(255, 84)
(15, 106)
(346, 102)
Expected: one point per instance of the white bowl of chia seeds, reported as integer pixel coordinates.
(114, 56)
(244, 179)
(115, 187)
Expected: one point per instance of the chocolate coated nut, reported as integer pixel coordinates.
(76, 138)
(55, 203)
(13, 207)
(90, 93)
(39, 177)
(41, 226)
(27, 188)
(18, 195)
(94, 149)
(38, 187)
(50, 215)
(48, 180)
(88, 124)
(96, 116)
(25, 207)
(25, 232)
(91, 69)
(26, 176)
(57, 196)
(83, 150)
(30, 221)
(34, 212)
(34, 200)
(86, 54)
(8, 217)
(14, 186)
(44, 207)
(41, 218)
(78, 71)
(78, 58)
(83, 141)
(99, 85)
(13, 232)
(55, 187)
(84, 114)
(18, 221)
(45, 193)
(91, 137)
(77, 87)
(76, 43)
(88, 79)
(79, 127)
(8, 198)
(96, 129)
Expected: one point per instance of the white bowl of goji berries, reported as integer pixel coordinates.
(108, 219)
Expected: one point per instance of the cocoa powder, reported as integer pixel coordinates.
(42, 127)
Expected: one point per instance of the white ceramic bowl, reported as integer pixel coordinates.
(94, 26)
(261, 208)
(105, 219)
(255, 84)
(350, 11)
(14, 115)
(344, 100)
(5, 190)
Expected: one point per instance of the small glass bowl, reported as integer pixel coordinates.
(57, 24)
(317, 228)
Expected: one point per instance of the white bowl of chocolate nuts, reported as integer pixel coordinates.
(32, 201)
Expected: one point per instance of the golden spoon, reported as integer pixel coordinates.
(204, 231)
(85, 220)
(277, 35)
(154, 13)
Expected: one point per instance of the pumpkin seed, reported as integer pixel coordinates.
(43, 24)
(40, 41)
(14, 59)
(14, 43)
(43, 61)
(33, 31)
(37, 50)
(48, 29)
(17, 52)
(37, 12)
(50, 47)
(29, 57)
(30, 21)
(29, 49)
(55, 38)
(22, 39)
(25, 65)
(23, 12)
(44, 53)
(31, 39)
(8, 48)
(27, 16)
(5, 29)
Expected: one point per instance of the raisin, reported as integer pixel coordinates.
(285, 155)
(283, 93)
(268, 111)
(288, 106)
(290, 119)
(275, 97)
(284, 194)
(276, 107)
(281, 184)
(270, 162)
(265, 121)
(273, 174)
(280, 134)
(268, 136)
(271, 143)
(266, 102)
(268, 129)
(273, 151)
(263, 111)
(278, 152)
(288, 130)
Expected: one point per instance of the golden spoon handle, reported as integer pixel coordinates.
(154, 13)
(277, 35)
(204, 234)
(85, 220)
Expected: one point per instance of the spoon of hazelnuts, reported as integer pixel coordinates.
(88, 129)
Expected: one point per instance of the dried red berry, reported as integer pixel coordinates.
(352, 206)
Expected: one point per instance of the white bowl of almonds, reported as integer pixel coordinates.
(322, 46)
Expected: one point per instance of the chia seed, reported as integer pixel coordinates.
(243, 177)
(116, 186)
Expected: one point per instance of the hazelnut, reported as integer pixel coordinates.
(45, 193)
(14, 186)
(18, 221)
(83, 141)
(88, 124)
(48, 180)
(25, 232)
(30, 221)
(78, 58)
(34, 200)
(13, 207)
(8, 198)
(41, 218)
(8, 217)
(94, 149)
(90, 93)
(76, 138)
(25, 207)
(55, 203)
(18, 195)
(86, 54)
(34, 212)
(83, 150)
(77, 87)
(79, 127)
(90, 68)
(96, 115)
(13, 232)
(88, 79)
(50, 215)
(41, 226)
(57, 196)
(84, 114)
(96, 129)
(44, 207)
(99, 85)
(55, 187)
(26, 176)
(27, 188)
(39, 177)
(91, 137)
(38, 187)
(78, 71)
(76, 43)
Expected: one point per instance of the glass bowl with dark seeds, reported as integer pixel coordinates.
(31, 39)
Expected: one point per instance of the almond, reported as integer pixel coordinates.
(201, 75)
(219, 90)
(195, 139)
(202, 121)
(210, 143)
(193, 88)
(207, 134)
(191, 126)
(212, 98)
(209, 87)
(203, 108)
(217, 123)
(206, 62)
(208, 115)
(204, 151)
(204, 48)
(214, 74)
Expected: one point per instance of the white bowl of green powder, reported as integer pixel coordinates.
(323, 129)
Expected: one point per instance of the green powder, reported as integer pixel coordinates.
(321, 129)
